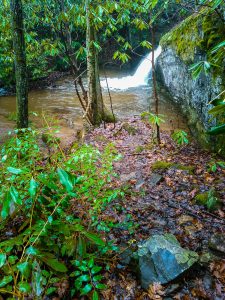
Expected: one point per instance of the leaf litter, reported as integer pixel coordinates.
(164, 205)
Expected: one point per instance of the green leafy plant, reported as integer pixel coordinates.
(153, 118)
(180, 137)
(87, 278)
(209, 199)
(214, 165)
(38, 194)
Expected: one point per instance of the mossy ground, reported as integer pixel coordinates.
(164, 165)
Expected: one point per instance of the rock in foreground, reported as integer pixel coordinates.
(162, 259)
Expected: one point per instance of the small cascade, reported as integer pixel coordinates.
(140, 77)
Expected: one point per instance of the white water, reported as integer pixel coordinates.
(140, 77)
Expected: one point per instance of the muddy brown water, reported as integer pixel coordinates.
(60, 101)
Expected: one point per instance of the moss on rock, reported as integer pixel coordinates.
(182, 40)
(199, 32)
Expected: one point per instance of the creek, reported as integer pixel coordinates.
(131, 95)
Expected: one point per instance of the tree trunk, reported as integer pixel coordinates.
(155, 93)
(96, 107)
(20, 63)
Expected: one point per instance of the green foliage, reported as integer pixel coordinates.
(180, 137)
(88, 278)
(153, 118)
(50, 234)
(214, 165)
(209, 199)
(218, 111)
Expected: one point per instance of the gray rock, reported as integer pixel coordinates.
(162, 259)
(217, 242)
(127, 177)
(154, 179)
(126, 256)
(184, 90)
(139, 184)
(3, 92)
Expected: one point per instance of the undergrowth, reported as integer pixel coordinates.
(50, 244)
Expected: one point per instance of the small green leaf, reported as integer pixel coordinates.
(75, 273)
(94, 238)
(96, 269)
(24, 287)
(6, 206)
(31, 251)
(97, 277)
(4, 158)
(51, 290)
(15, 195)
(86, 289)
(14, 170)
(65, 180)
(91, 263)
(50, 219)
(84, 278)
(2, 259)
(95, 296)
(5, 280)
(12, 259)
(55, 264)
(24, 269)
(33, 188)
(100, 286)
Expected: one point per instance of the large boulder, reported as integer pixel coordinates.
(182, 47)
(162, 259)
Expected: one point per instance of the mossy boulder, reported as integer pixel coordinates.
(187, 44)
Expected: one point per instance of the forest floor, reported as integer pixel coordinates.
(160, 198)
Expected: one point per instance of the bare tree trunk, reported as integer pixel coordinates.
(69, 52)
(155, 93)
(96, 106)
(20, 63)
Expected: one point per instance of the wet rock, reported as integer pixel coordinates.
(217, 242)
(171, 289)
(3, 92)
(127, 177)
(126, 256)
(155, 179)
(139, 184)
(162, 259)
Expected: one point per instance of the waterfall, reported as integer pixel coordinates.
(140, 77)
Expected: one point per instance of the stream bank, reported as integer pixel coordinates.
(161, 196)
(162, 187)
(129, 192)
(60, 103)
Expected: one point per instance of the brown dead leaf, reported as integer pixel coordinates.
(156, 291)
(168, 181)
(218, 270)
(209, 178)
(193, 193)
(221, 213)
(185, 219)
